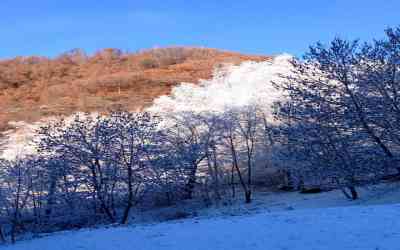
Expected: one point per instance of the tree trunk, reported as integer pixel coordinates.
(216, 178)
(247, 190)
(233, 181)
(248, 196)
(2, 236)
(51, 197)
(106, 210)
(353, 191)
(98, 192)
(130, 195)
(13, 233)
(126, 213)
(14, 227)
(189, 188)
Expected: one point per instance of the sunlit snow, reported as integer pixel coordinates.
(233, 86)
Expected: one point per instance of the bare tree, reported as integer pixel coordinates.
(337, 111)
(86, 143)
(16, 191)
(134, 139)
(187, 142)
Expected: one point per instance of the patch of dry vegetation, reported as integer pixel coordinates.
(35, 87)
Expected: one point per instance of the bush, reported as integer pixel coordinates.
(149, 63)
(170, 56)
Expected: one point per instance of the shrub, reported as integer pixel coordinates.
(170, 56)
(149, 63)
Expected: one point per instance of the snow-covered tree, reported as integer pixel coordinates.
(135, 138)
(85, 144)
(339, 117)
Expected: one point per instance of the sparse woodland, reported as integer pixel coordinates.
(338, 126)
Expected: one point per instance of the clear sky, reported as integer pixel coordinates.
(50, 27)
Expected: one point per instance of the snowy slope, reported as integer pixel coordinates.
(19, 141)
(356, 227)
(230, 87)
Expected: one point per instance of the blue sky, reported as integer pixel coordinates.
(50, 27)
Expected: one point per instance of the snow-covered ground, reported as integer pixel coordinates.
(266, 200)
(272, 221)
(357, 227)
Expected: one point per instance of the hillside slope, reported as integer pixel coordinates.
(275, 220)
(358, 227)
(32, 88)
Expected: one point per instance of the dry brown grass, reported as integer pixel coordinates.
(75, 81)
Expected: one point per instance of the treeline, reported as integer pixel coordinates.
(94, 170)
(336, 126)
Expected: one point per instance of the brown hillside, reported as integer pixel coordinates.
(35, 87)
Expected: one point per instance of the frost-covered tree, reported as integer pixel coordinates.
(247, 139)
(16, 191)
(114, 161)
(339, 117)
(135, 141)
(85, 143)
(186, 142)
(377, 92)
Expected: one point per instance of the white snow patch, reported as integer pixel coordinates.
(19, 142)
(234, 86)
